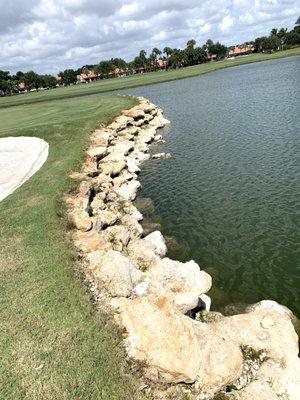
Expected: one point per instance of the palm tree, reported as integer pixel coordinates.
(168, 52)
(143, 57)
(274, 31)
(153, 56)
(190, 51)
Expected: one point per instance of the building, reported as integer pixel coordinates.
(211, 57)
(22, 87)
(87, 76)
(240, 50)
(162, 64)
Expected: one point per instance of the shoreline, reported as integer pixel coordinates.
(151, 295)
(116, 84)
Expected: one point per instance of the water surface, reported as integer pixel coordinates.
(229, 193)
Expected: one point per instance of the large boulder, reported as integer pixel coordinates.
(146, 135)
(268, 328)
(132, 225)
(159, 121)
(105, 218)
(176, 348)
(184, 281)
(128, 190)
(142, 254)
(81, 220)
(96, 153)
(112, 168)
(157, 239)
(91, 241)
(121, 122)
(113, 272)
(135, 113)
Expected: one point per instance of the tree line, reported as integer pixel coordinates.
(170, 58)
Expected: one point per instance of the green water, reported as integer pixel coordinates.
(229, 194)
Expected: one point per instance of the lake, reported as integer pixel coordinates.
(228, 196)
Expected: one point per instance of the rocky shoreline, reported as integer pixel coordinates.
(161, 305)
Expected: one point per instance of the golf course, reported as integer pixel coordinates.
(54, 344)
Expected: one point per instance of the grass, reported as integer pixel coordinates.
(53, 343)
(140, 79)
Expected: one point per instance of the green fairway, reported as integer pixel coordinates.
(53, 343)
(140, 79)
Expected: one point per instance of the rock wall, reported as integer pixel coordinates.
(253, 354)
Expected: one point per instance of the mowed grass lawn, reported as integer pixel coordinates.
(53, 343)
(140, 79)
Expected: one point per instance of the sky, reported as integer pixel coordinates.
(51, 35)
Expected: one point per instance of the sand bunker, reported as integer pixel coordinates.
(20, 158)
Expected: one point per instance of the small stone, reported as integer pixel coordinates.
(159, 156)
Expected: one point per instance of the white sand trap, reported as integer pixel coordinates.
(20, 158)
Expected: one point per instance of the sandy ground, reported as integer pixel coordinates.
(20, 158)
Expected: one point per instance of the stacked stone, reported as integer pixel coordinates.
(151, 295)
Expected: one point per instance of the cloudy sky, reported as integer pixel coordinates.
(50, 35)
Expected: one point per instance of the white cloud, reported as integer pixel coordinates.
(226, 23)
(48, 35)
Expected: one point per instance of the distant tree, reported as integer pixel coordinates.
(19, 76)
(153, 57)
(177, 59)
(261, 44)
(119, 63)
(32, 80)
(143, 55)
(68, 76)
(274, 32)
(105, 68)
(216, 48)
(167, 51)
(200, 55)
(190, 51)
(48, 81)
(207, 45)
(273, 43)
(137, 62)
(293, 38)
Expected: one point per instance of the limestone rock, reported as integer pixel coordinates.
(185, 281)
(97, 204)
(81, 220)
(148, 117)
(105, 218)
(146, 135)
(84, 188)
(132, 167)
(135, 113)
(121, 122)
(176, 347)
(142, 254)
(91, 241)
(132, 225)
(97, 152)
(118, 236)
(159, 156)
(268, 328)
(128, 190)
(157, 239)
(113, 271)
(159, 121)
(118, 181)
(101, 137)
(112, 168)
